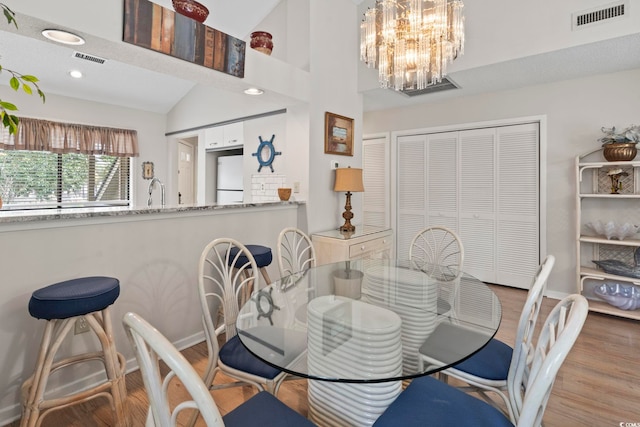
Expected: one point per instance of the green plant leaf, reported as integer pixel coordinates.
(14, 83)
(8, 106)
(10, 122)
(27, 89)
(10, 15)
(29, 78)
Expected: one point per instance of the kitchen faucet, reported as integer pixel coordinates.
(151, 184)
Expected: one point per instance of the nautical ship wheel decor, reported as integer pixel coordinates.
(266, 153)
(264, 304)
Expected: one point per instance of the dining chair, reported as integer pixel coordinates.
(295, 251)
(151, 346)
(221, 283)
(427, 401)
(488, 369)
(439, 251)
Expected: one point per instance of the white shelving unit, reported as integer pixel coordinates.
(594, 201)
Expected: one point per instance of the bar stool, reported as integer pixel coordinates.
(62, 305)
(262, 256)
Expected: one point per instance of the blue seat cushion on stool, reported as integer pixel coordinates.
(261, 254)
(492, 362)
(74, 297)
(429, 402)
(235, 355)
(265, 410)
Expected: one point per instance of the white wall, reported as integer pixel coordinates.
(333, 84)
(575, 111)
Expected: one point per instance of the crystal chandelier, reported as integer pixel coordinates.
(412, 41)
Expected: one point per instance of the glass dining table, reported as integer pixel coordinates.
(357, 329)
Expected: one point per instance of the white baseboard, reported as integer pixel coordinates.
(556, 295)
(13, 412)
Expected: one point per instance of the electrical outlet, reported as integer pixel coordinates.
(262, 186)
(334, 164)
(296, 187)
(81, 326)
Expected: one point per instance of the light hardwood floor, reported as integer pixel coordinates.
(598, 385)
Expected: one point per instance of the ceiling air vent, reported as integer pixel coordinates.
(445, 84)
(88, 57)
(599, 14)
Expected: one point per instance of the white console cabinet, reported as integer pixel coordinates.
(365, 242)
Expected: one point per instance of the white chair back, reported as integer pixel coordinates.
(557, 336)
(151, 346)
(439, 251)
(527, 325)
(221, 284)
(295, 252)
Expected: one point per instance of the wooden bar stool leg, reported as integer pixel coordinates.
(33, 389)
(267, 280)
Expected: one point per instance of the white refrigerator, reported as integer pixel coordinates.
(229, 187)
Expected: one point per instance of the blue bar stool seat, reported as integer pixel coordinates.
(262, 255)
(62, 305)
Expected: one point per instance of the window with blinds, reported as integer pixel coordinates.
(44, 180)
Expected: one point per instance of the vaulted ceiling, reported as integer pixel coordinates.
(25, 50)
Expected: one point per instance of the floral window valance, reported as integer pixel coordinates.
(55, 137)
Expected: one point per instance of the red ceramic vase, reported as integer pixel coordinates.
(191, 9)
(262, 42)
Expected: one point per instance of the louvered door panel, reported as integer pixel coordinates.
(375, 199)
(477, 171)
(518, 254)
(411, 191)
(442, 174)
(477, 201)
(478, 237)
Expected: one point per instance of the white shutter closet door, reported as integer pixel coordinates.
(477, 214)
(375, 199)
(518, 234)
(442, 180)
(411, 191)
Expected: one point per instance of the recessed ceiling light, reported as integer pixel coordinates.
(76, 74)
(253, 91)
(62, 36)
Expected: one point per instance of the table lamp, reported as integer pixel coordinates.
(349, 180)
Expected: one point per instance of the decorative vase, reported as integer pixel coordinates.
(284, 194)
(262, 42)
(620, 151)
(191, 9)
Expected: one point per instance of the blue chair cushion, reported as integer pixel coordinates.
(429, 402)
(261, 254)
(264, 410)
(492, 362)
(235, 355)
(74, 297)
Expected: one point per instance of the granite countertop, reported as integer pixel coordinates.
(7, 216)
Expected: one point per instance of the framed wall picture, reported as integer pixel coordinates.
(338, 134)
(147, 170)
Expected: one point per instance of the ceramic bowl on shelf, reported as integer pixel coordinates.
(625, 297)
(611, 230)
(192, 9)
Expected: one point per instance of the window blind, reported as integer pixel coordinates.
(42, 180)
